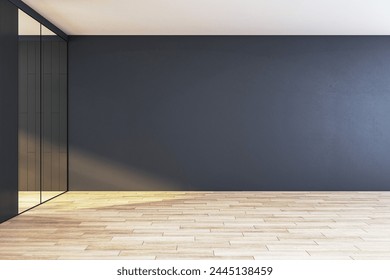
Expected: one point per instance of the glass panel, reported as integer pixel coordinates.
(54, 117)
(29, 112)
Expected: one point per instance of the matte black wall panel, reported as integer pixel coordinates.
(8, 110)
(229, 113)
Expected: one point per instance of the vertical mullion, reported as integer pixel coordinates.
(41, 115)
(67, 114)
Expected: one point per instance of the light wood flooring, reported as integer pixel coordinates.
(202, 225)
(29, 199)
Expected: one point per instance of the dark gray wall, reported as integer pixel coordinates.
(229, 113)
(8, 110)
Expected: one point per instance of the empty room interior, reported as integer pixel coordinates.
(194, 129)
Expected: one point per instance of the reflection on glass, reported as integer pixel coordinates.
(29, 112)
(42, 113)
(54, 116)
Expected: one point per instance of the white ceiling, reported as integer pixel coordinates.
(217, 17)
(29, 26)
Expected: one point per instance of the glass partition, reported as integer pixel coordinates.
(54, 101)
(42, 113)
(29, 112)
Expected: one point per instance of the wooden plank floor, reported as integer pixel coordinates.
(29, 199)
(202, 225)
